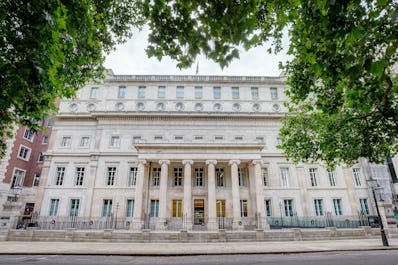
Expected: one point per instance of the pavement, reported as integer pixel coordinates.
(180, 249)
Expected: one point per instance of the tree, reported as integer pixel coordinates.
(51, 48)
(343, 91)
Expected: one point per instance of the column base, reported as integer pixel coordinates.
(212, 225)
(136, 224)
(161, 225)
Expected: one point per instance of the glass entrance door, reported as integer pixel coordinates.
(199, 212)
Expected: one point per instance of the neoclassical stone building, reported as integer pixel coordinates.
(186, 151)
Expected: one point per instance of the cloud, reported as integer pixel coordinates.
(130, 58)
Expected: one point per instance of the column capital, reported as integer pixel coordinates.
(231, 162)
(257, 162)
(166, 162)
(141, 161)
(211, 162)
(185, 162)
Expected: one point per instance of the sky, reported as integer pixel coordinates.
(130, 59)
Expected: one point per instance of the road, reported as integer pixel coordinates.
(388, 257)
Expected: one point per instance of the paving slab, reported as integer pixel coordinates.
(165, 249)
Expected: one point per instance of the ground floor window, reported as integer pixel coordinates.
(53, 207)
(220, 208)
(267, 204)
(129, 208)
(243, 208)
(364, 206)
(337, 207)
(154, 208)
(74, 207)
(288, 204)
(107, 208)
(177, 208)
(318, 204)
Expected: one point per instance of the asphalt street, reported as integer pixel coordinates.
(384, 257)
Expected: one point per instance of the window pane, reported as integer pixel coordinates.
(217, 92)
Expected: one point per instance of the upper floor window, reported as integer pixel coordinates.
(264, 173)
(199, 177)
(141, 91)
(110, 176)
(332, 177)
(136, 139)
(274, 92)
(28, 135)
(17, 178)
(254, 92)
(198, 92)
(285, 176)
(357, 176)
(217, 92)
(36, 180)
(235, 92)
(94, 92)
(220, 178)
(178, 137)
(66, 141)
(133, 176)
(115, 141)
(122, 92)
(161, 91)
(238, 138)
(41, 157)
(85, 141)
(156, 176)
(198, 137)
(218, 138)
(24, 152)
(177, 176)
(242, 177)
(45, 139)
(59, 176)
(79, 178)
(279, 141)
(180, 92)
(314, 176)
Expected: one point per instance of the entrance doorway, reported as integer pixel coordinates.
(199, 212)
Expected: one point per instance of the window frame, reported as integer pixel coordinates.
(180, 93)
(217, 92)
(66, 141)
(114, 141)
(141, 92)
(161, 91)
(80, 174)
(121, 93)
(59, 175)
(17, 180)
(29, 135)
(110, 179)
(235, 92)
(107, 205)
(94, 92)
(254, 91)
(198, 92)
(26, 152)
(132, 179)
(273, 92)
(53, 207)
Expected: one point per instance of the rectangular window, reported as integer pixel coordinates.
(36, 180)
(94, 92)
(199, 181)
(254, 92)
(238, 138)
(158, 137)
(198, 137)
(41, 157)
(314, 176)
(156, 176)
(235, 92)
(318, 205)
(161, 91)
(133, 176)
(177, 208)
(17, 178)
(115, 141)
(357, 176)
(136, 139)
(129, 208)
(279, 141)
(220, 208)
(217, 92)
(59, 176)
(268, 207)
(264, 173)
(141, 91)
(337, 207)
(85, 141)
(219, 138)
(243, 208)
(198, 92)
(28, 135)
(260, 139)
(274, 92)
(177, 171)
(180, 92)
(53, 207)
(154, 208)
(74, 207)
(285, 176)
(332, 177)
(220, 177)
(242, 177)
(122, 92)
(110, 176)
(178, 138)
(66, 141)
(24, 152)
(107, 208)
(79, 178)
(45, 139)
(288, 204)
(364, 206)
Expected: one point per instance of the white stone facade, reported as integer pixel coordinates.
(200, 148)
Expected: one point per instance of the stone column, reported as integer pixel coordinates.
(164, 164)
(237, 222)
(260, 211)
(211, 193)
(349, 182)
(139, 189)
(187, 207)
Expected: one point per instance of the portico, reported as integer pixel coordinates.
(199, 185)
